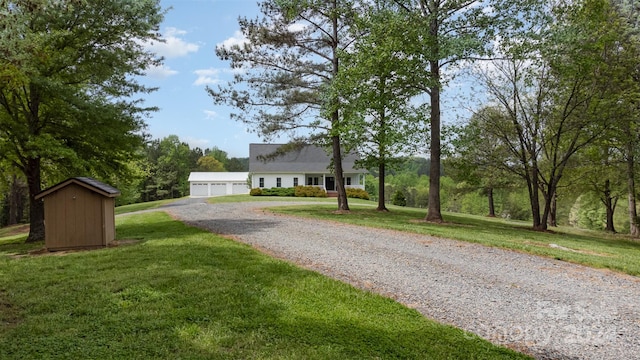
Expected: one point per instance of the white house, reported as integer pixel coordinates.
(208, 184)
(308, 165)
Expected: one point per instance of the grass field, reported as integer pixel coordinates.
(176, 292)
(142, 206)
(592, 248)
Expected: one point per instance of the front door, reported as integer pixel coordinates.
(331, 183)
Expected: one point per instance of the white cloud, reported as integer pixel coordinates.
(173, 45)
(237, 39)
(297, 27)
(207, 77)
(210, 114)
(160, 72)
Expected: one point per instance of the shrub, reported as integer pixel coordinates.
(399, 199)
(255, 192)
(357, 194)
(310, 191)
(278, 192)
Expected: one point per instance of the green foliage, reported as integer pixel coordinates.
(255, 192)
(310, 191)
(399, 199)
(357, 193)
(275, 192)
(208, 163)
(516, 207)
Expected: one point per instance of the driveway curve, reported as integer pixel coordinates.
(543, 307)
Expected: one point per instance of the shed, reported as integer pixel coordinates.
(208, 184)
(79, 213)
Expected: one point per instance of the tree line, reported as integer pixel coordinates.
(159, 171)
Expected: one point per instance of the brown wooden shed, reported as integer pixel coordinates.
(79, 213)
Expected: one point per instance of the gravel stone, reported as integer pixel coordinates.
(543, 307)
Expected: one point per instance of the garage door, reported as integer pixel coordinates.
(199, 189)
(240, 188)
(218, 189)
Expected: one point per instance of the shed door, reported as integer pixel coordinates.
(240, 188)
(199, 189)
(218, 189)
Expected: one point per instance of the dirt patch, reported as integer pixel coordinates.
(46, 252)
(14, 230)
(8, 312)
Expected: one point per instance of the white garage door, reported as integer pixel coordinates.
(240, 188)
(199, 189)
(218, 189)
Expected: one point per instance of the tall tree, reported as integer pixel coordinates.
(289, 59)
(628, 134)
(453, 32)
(168, 161)
(478, 154)
(375, 96)
(67, 72)
(556, 101)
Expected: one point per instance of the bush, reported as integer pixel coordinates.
(357, 194)
(255, 192)
(310, 191)
(278, 192)
(399, 199)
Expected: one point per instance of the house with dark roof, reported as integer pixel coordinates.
(308, 165)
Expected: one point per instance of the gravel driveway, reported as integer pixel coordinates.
(544, 307)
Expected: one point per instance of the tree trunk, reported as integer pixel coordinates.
(36, 207)
(433, 213)
(535, 201)
(609, 205)
(343, 205)
(492, 208)
(381, 175)
(634, 229)
(552, 219)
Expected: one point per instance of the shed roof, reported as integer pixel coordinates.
(218, 176)
(307, 159)
(86, 182)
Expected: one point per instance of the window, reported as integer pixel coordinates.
(309, 181)
(278, 182)
(261, 182)
(295, 181)
(348, 180)
(315, 181)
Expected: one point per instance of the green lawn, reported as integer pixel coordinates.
(142, 206)
(596, 249)
(179, 292)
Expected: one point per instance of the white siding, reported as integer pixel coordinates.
(271, 180)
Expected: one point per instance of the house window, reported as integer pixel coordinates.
(309, 181)
(261, 182)
(349, 180)
(295, 181)
(278, 182)
(315, 181)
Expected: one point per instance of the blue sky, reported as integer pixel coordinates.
(192, 29)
